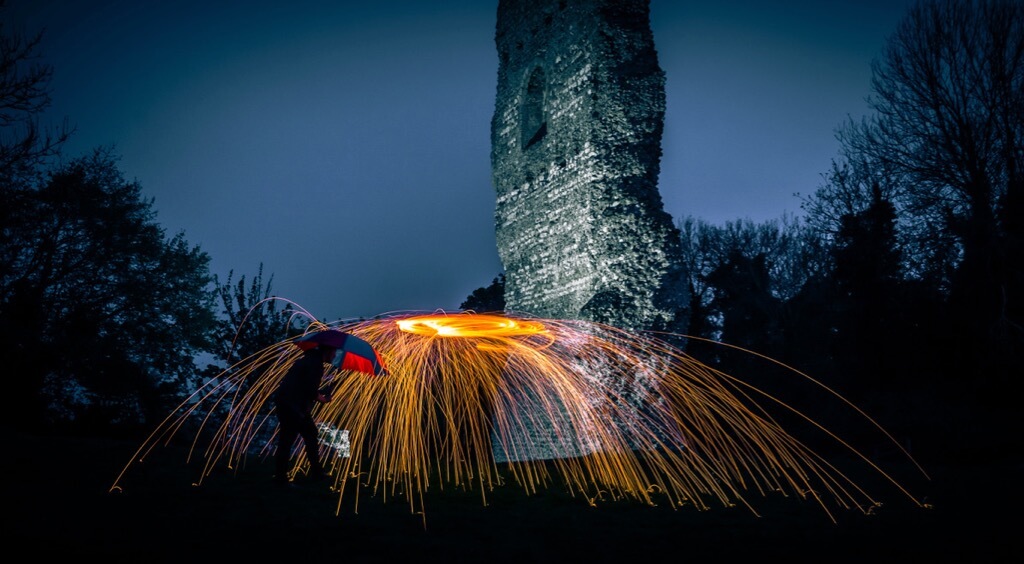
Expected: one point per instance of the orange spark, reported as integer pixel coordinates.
(470, 397)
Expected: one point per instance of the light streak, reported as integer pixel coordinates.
(472, 398)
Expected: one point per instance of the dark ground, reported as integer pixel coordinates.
(56, 503)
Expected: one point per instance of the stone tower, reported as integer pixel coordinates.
(575, 157)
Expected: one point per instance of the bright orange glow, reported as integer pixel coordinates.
(467, 326)
(613, 414)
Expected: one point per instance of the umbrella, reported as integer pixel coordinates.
(353, 353)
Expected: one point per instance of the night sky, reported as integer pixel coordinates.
(346, 145)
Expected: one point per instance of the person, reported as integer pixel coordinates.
(294, 400)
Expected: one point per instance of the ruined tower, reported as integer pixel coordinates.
(575, 156)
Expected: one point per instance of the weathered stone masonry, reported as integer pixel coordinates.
(575, 156)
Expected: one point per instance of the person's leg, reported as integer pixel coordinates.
(311, 440)
(286, 435)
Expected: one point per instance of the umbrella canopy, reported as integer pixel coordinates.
(353, 353)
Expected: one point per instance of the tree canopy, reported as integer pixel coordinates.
(101, 310)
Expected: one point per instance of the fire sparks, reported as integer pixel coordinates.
(477, 401)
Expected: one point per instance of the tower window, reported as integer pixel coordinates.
(533, 125)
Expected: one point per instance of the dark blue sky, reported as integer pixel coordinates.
(346, 145)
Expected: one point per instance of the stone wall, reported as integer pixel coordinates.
(575, 155)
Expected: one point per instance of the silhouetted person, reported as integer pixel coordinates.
(295, 397)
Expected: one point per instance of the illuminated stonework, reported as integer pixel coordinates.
(575, 156)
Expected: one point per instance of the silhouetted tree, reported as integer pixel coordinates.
(700, 251)
(929, 253)
(251, 319)
(24, 144)
(868, 278)
(789, 251)
(489, 299)
(101, 313)
(948, 129)
(24, 95)
(743, 297)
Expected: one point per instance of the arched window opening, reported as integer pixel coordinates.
(533, 125)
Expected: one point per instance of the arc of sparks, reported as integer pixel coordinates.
(608, 412)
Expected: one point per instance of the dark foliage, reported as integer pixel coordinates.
(101, 313)
(24, 95)
(251, 319)
(910, 251)
(948, 130)
(490, 299)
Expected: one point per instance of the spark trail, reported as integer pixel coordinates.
(470, 398)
